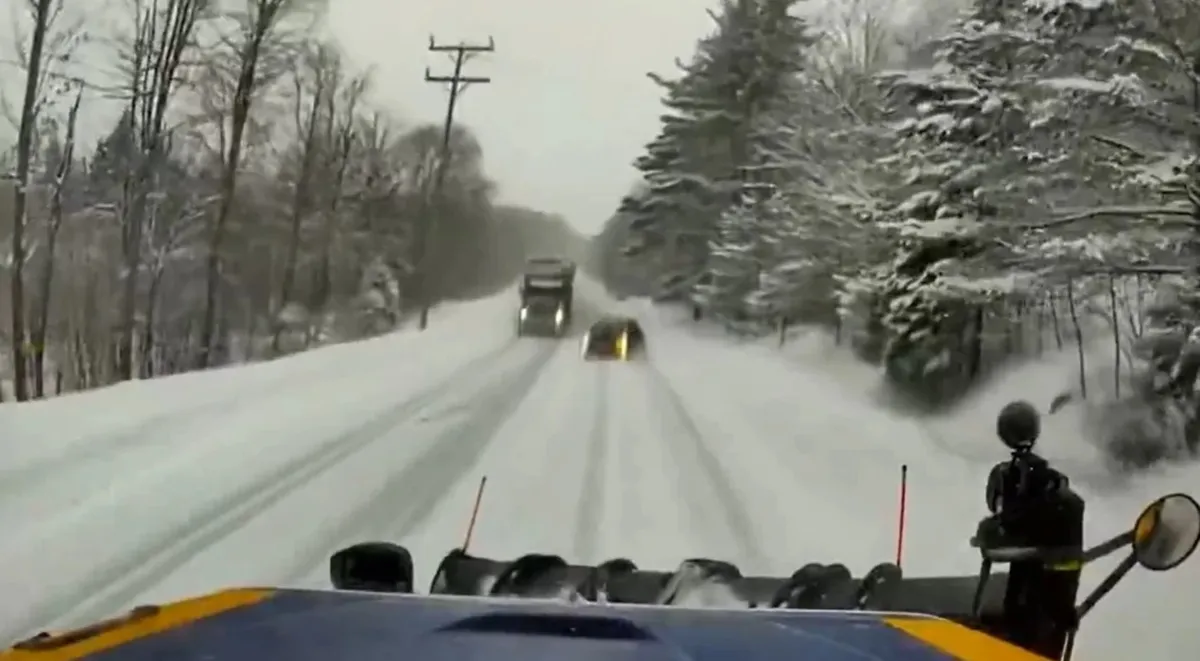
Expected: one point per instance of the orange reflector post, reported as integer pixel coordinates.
(474, 513)
(902, 517)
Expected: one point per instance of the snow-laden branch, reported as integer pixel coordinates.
(1176, 215)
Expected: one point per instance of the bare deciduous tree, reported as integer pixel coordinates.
(311, 85)
(317, 217)
(856, 47)
(163, 31)
(43, 13)
(61, 175)
(254, 41)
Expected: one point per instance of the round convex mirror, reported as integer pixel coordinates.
(1167, 532)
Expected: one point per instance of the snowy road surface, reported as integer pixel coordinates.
(158, 490)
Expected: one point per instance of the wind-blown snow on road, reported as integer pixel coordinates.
(158, 490)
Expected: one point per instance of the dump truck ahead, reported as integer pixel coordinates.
(547, 290)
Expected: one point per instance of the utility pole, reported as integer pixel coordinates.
(461, 53)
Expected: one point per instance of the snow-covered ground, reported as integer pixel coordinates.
(772, 459)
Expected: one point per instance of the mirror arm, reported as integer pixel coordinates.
(1105, 587)
(1069, 648)
(985, 573)
(1105, 548)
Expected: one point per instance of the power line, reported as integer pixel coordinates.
(462, 53)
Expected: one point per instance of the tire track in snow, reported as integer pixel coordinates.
(17, 480)
(692, 446)
(591, 496)
(418, 487)
(115, 585)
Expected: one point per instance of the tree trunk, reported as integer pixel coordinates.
(242, 100)
(1074, 312)
(40, 330)
(291, 261)
(149, 339)
(95, 375)
(1116, 324)
(83, 366)
(975, 344)
(300, 206)
(164, 32)
(1058, 338)
(21, 198)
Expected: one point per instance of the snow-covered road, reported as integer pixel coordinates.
(158, 490)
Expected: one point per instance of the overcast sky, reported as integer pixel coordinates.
(570, 106)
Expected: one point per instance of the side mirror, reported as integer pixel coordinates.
(1163, 537)
(372, 567)
(1167, 532)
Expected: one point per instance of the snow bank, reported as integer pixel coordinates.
(100, 485)
(1148, 616)
(33, 431)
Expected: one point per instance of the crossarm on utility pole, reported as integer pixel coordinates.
(435, 47)
(462, 81)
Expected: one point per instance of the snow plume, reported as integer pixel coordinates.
(567, 593)
(485, 585)
(709, 594)
(1142, 411)
(1104, 443)
(696, 586)
(1136, 433)
(1121, 422)
(564, 593)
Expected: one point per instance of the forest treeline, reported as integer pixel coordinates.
(251, 200)
(1023, 178)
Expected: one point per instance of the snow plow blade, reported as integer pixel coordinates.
(621, 582)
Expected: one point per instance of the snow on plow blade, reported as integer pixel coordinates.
(706, 582)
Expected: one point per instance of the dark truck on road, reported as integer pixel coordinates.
(547, 290)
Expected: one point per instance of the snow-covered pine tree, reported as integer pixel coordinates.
(748, 243)
(818, 151)
(748, 258)
(974, 161)
(748, 238)
(778, 290)
(692, 170)
(683, 167)
(1136, 66)
(732, 263)
(665, 230)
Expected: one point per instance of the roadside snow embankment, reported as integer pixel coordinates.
(1147, 616)
(99, 486)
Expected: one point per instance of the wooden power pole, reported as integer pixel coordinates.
(462, 53)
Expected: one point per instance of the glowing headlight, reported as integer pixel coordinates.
(558, 316)
(524, 313)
